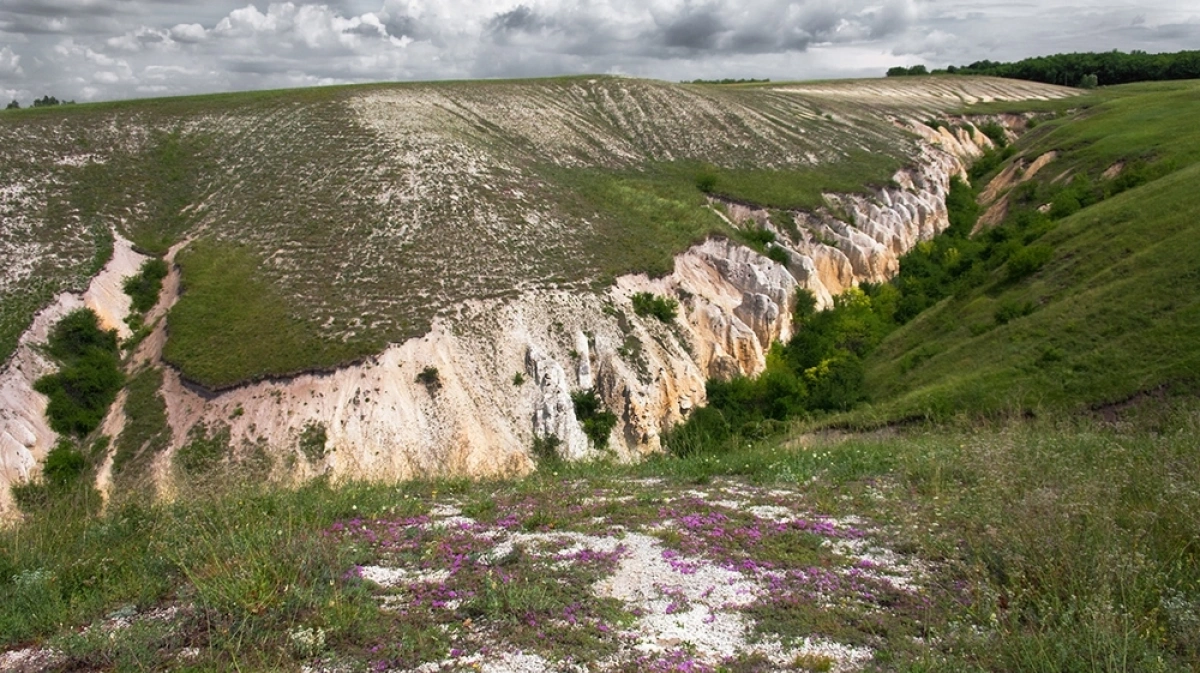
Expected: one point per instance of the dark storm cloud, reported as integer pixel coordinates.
(520, 19)
(98, 49)
(692, 30)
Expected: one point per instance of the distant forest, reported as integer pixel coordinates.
(1081, 69)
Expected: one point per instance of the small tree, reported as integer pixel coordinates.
(430, 378)
(14, 105)
(1090, 81)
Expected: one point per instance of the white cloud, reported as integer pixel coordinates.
(188, 33)
(131, 47)
(10, 63)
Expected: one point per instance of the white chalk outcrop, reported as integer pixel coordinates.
(25, 434)
(506, 367)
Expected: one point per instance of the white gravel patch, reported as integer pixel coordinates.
(28, 659)
(394, 577)
(776, 513)
(445, 510)
(453, 522)
(680, 609)
(880, 563)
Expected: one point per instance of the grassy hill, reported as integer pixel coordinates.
(1111, 312)
(338, 220)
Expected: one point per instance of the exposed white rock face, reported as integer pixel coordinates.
(554, 412)
(381, 422)
(25, 434)
(584, 368)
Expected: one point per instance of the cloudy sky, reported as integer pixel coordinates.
(108, 49)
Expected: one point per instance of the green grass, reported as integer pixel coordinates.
(803, 189)
(224, 302)
(146, 432)
(1099, 327)
(1061, 545)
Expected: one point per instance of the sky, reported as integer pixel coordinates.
(91, 50)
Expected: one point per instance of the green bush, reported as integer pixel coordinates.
(64, 465)
(806, 305)
(995, 133)
(758, 238)
(89, 373)
(989, 161)
(205, 449)
(777, 254)
(65, 481)
(430, 378)
(705, 430)
(312, 440)
(1026, 261)
(545, 450)
(647, 304)
(1011, 310)
(597, 421)
(144, 287)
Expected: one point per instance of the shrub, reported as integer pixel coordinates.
(430, 378)
(545, 450)
(995, 133)
(205, 449)
(647, 304)
(64, 465)
(706, 181)
(89, 373)
(597, 421)
(757, 238)
(1065, 203)
(806, 305)
(1029, 259)
(312, 440)
(777, 254)
(144, 287)
(64, 480)
(518, 379)
(1011, 310)
(705, 430)
(989, 161)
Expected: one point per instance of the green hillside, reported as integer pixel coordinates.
(1114, 310)
(339, 220)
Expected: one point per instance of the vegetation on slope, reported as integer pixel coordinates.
(345, 212)
(1044, 546)
(143, 287)
(88, 376)
(1060, 306)
(225, 302)
(1106, 315)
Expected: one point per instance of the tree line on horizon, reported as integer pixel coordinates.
(44, 101)
(1081, 69)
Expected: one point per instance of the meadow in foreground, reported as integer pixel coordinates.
(1030, 545)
